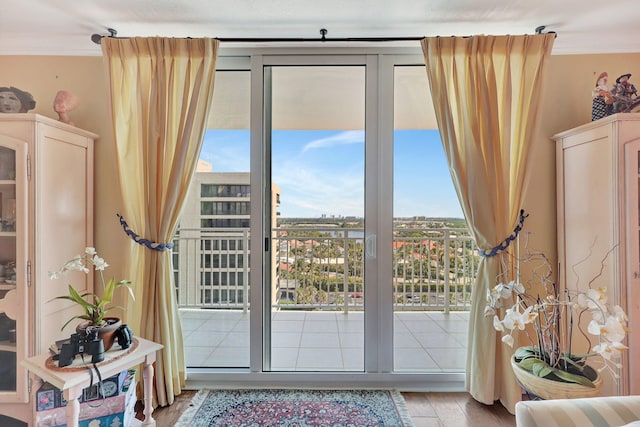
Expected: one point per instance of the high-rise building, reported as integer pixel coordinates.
(211, 254)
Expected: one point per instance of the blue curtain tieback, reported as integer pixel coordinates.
(142, 241)
(505, 244)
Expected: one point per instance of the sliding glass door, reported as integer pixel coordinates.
(343, 277)
(211, 252)
(315, 142)
(433, 254)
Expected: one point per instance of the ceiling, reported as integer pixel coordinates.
(64, 27)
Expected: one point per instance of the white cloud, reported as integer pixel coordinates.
(311, 191)
(343, 138)
(227, 158)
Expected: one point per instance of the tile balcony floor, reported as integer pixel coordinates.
(325, 341)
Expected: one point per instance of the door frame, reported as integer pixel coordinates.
(379, 129)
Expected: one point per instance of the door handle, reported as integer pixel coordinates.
(370, 246)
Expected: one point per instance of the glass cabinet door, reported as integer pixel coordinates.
(7, 267)
(13, 286)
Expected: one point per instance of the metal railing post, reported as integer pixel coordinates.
(345, 279)
(447, 268)
(245, 271)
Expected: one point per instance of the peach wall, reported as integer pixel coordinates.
(566, 100)
(566, 104)
(43, 76)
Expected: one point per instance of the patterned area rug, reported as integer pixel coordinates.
(335, 408)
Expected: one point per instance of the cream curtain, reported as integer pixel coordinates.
(160, 90)
(486, 93)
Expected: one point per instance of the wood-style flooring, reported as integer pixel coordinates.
(426, 410)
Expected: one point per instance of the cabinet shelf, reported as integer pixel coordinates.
(8, 346)
(7, 182)
(7, 234)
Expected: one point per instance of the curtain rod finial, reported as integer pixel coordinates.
(97, 38)
(541, 28)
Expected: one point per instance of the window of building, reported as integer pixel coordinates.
(224, 208)
(224, 223)
(224, 190)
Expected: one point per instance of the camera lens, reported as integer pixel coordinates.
(97, 351)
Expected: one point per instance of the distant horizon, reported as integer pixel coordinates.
(322, 172)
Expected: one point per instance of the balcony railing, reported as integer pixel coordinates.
(322, 268)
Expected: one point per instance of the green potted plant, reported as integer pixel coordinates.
(549, 367)
(94, 305)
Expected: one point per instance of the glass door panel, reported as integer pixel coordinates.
(315, 133)
(211, 254)
(433, 259)
(12, 295)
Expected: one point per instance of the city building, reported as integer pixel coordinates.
(212, 250)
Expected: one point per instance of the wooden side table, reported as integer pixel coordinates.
(73, 381)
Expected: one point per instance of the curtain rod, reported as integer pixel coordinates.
(97, 38)
(323, 38)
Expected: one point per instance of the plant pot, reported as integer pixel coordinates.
(106, 333)
(550, 389)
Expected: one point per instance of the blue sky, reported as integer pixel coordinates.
(322, 172)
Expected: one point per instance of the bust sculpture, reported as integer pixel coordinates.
(63, 103)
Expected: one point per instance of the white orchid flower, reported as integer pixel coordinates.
(612, 330)
(508, 340)
(493, 298)
(99, 263)
(598, 294)
(503, 290)
(609, 350)
(75, 264)
(518, 287)
(598, 299)
(529, 315)
(583, 301)
(81, 263)
(497, 324)
(620, 315)
(513, 319)
(506, 289)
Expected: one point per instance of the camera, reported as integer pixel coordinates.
(124, 336)
(79, 344)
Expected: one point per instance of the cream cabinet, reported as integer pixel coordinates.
(46, 208)
(598, 204)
